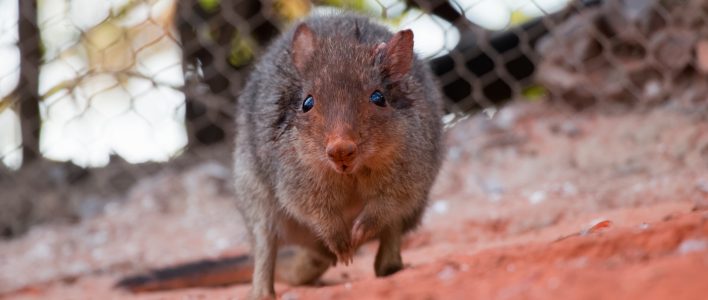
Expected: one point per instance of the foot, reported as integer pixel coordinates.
(342, 248)
(362, 231)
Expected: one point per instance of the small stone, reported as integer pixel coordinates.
(447, 273)
(702, 186)
(537, 197)
(490, 112)
(567, 128)
(652, 89)
(440, 207)
(700, 200)
(569, 189)
(492, 186)
(692, 245)
(290, 296)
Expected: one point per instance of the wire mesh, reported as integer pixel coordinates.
(99, 94)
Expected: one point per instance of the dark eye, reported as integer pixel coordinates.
(308, 104)
(377, 98)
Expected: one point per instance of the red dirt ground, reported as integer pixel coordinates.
(534, 203)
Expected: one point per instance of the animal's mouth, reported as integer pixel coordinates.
(343, 167)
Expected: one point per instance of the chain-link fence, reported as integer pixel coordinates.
(98, 94)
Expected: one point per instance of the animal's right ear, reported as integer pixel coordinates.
(303, 47)
(396, 55)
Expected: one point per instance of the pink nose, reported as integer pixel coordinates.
(341, 150)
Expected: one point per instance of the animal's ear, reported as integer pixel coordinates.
(303, 46)
(395, 57)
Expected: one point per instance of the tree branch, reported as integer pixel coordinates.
(27, 88)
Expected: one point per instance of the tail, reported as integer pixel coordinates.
(205, 273)
(295, 266)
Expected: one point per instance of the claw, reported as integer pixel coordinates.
(343, 253)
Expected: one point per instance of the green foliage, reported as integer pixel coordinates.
(209, 5)
(356, 5)
(241, 52)
(7, 102)
(518, 17)
(534, 92)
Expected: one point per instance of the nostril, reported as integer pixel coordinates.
(331, 151)
(341, 150)
(348, 149)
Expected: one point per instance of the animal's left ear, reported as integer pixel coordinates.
(395, 57)
(303, 47)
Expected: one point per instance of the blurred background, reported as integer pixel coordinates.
(120, 112)
(96, 94)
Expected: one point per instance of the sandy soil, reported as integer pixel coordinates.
(534, 203)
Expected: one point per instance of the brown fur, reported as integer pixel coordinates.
(346, 171)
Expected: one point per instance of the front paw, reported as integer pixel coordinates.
(341, 247)
(362, 231)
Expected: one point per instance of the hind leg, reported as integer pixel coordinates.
(297, 265)
(264, 255)
(302, 258)
(388, 258)
(259, 210)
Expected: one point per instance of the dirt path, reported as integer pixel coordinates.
(537, 203)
